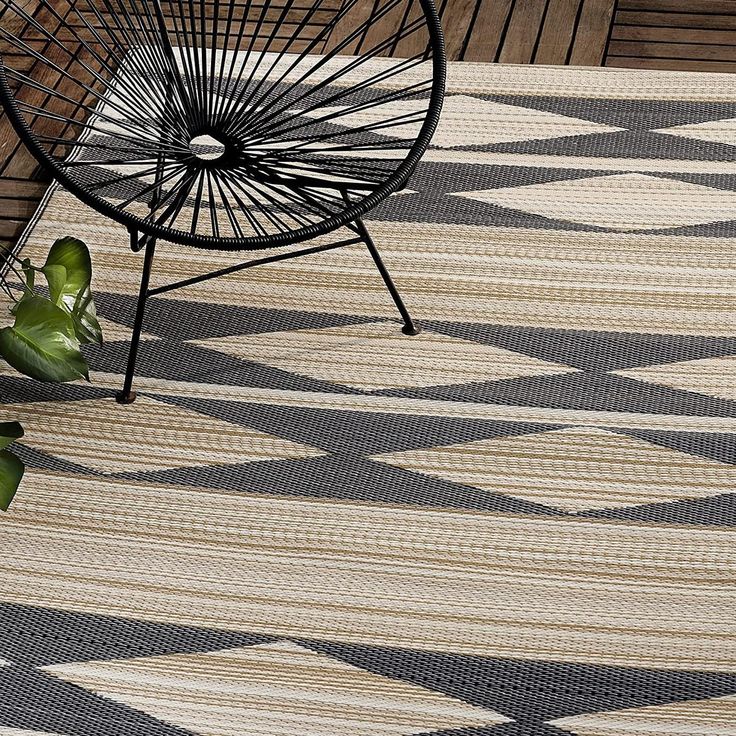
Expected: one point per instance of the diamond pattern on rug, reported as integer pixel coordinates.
(573, 469)
(184, 319)
(385, 531)
(592, 351)
(150, 435)
(354, 433)
(631, 114)
(586, 391)
(712, 717)
(629, 144)
(710, 376)
(264, 688)
(483, 121)
(31, 637)
(624, 202)
(378, 356)
(712, 131)
(559, 689)
(39, 702)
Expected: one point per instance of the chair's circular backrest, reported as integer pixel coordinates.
(225, 123)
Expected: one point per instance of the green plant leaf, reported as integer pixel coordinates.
(9, 432)
(85, 320)
(42, 343)
(70, 288)
(11, 474)
(56, 277)
(73, 255)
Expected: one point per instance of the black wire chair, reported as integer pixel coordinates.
(226, 124)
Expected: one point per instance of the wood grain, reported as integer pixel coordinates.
(699, 35)
(592, 33)
(486, 33)
(506, 31)
(521, 38)
(558, 32)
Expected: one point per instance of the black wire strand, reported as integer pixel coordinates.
(301, 135)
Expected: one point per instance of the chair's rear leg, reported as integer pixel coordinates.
(410, 327)
(127, 395)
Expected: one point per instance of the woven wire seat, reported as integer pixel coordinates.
(231, 125)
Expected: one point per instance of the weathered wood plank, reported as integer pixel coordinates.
(697, 35)
(687, 65)
(16, 210)
(11, 228)
(678, 6)
(346, 34)
(21, 189)
(456, 17)
(486, 32)
(592, 32)
(558, 32)
(674, 51)
(522, 33)
(626, 18)
(674, 35)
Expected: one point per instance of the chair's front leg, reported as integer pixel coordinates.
(127, 395)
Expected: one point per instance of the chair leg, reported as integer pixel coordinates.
(127, 395)
(410, 327)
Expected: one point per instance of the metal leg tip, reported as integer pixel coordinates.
(411, 329)
(125, 398)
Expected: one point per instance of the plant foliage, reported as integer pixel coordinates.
(11, 467)
(49, 327)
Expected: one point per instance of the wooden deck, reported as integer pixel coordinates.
(660, 34)
(695, 35)
(511, 31)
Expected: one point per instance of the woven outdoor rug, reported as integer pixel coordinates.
(520, 523)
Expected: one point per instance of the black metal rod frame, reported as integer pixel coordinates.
(128, 396)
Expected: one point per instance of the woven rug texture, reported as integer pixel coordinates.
(521, 522)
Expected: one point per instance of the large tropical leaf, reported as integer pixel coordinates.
(68, 270)
(56, 277)
(9, 432)
(11, 474)
(73, 255)
(42, 343)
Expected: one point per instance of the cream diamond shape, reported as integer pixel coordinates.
(573, 469)
(713, 131)
(378, 356)
(712, 717)
(149, 435)
(711, 376)
(468, 121)
(618, 202)
(274, 690)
